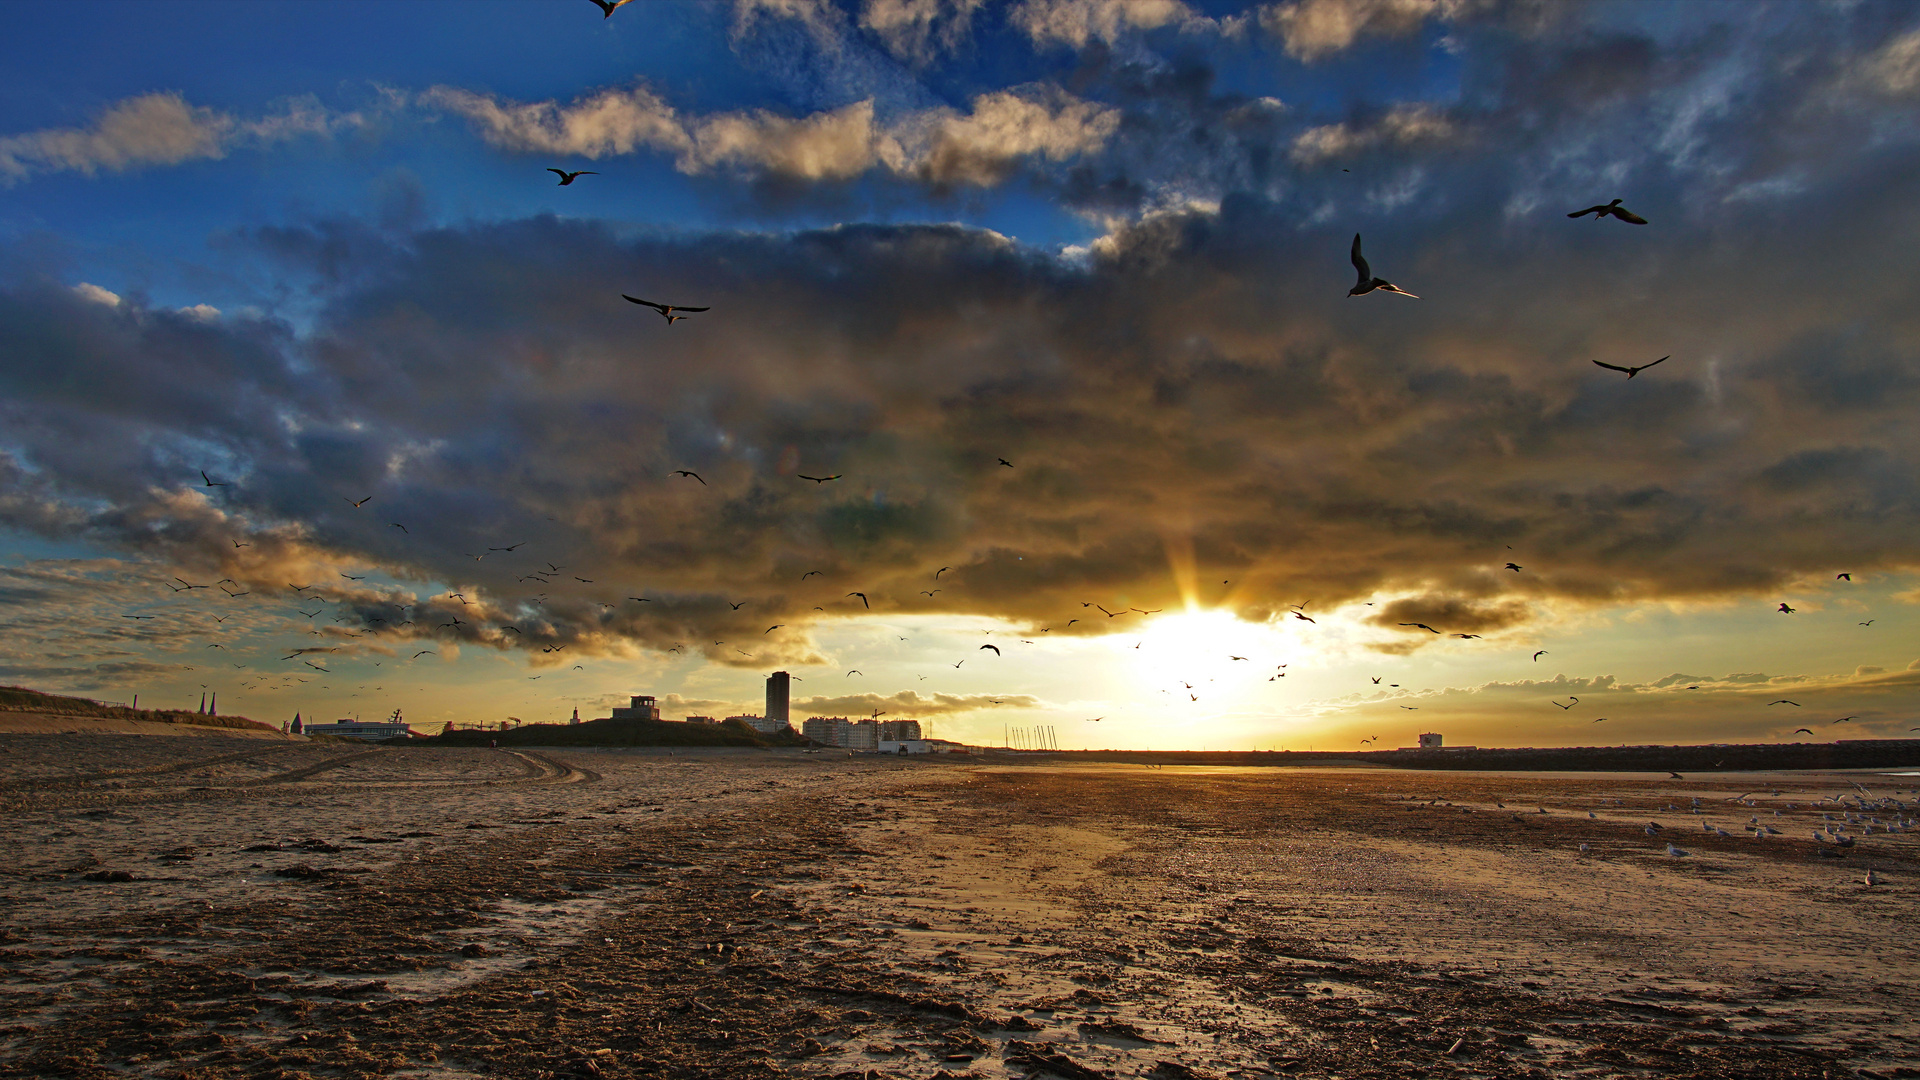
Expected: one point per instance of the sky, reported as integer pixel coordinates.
(318, 390)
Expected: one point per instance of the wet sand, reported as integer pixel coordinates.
(338, 911)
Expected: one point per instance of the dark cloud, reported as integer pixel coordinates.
(1192, 398)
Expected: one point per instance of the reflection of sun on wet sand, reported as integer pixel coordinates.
(452, 912)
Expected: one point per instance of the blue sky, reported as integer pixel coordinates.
(313, 251)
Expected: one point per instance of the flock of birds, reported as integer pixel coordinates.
(1845, 819)
(401, 616)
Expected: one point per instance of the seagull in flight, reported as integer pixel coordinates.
(1803, 731)
(995, 648)
(811, 573)
(1005, 462)
(1784, 701)
(1538, 655)
(211, 482)
(1869, 622)
(666, 310)
(689, 472)
(1788, 609)
(822, 479)
(1612, 209)
(930, 592)
(863, 599)
(607, 6)
(356, 505)
(1515, 567)
(1303, 617)
(771, 629)
(1569, 704)
(1368, 282)
(1422, 626)
(942, 570)
(1632, 371)
(569, 177)
(1836, 577)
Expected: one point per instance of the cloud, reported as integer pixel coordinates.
(908, 703)
(918, 30)
(600, 125)
(1894, 68)
(95, 293)
(156, 129)
(1313, 29)
(837, 145)
(1077, 22)
(939, 146)
(946, 147)
(1401, 126)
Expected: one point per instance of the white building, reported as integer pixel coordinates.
(370, 730)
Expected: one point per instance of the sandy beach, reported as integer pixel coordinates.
(214, 907)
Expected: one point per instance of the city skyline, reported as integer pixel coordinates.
(1011, 377)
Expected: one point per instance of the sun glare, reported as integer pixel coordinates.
(1194, 646)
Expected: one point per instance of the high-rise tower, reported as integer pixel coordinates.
(777, 698)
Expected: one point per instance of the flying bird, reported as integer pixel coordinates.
(811, 573)
(1612, 209)
(1784, 701)
(1787, 609)
(1422, 626)
(666, 310)
(211, 482)
(607, 6)
(1869, 622)
(1303, 618)
(641, 599)
(1515, 567)
(863, 599)
(356, 505)
(930, 592)
(1803, 731)
(1005, 462)
(397, 525)
(1632, 371)
(422, 653)
(1836, 577)
(569, 177)
(521, 544)
(737, 606)
(822, 479)
(995, 648)
(689, 472)
(856, 671)
(1375, 678)
(771, 629)
(1368, 282)
(1466, 635)
(1538, 655)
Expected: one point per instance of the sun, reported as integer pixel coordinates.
(1194, 646)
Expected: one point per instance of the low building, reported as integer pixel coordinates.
(701, 720)
(900, 731)
(765, 725)
(905, 746)
(370, 730)
(826, 730)
(643, 708)
(1430, 741)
